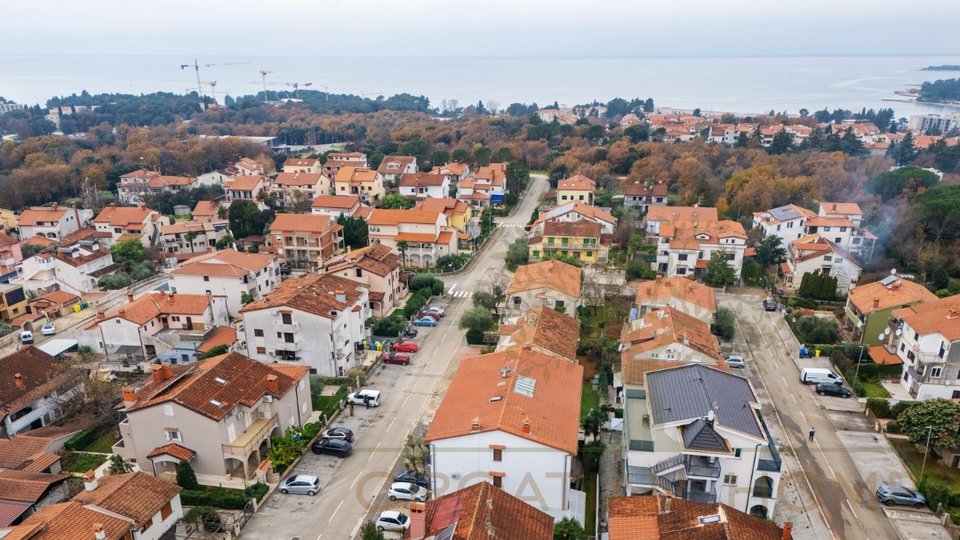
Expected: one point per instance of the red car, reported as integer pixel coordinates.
(396, 358)
(433, 315)
(405, 346)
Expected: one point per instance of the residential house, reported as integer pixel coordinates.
(659, 516)
(544, 330)
(551, 284)
(454, 171)
(245, 188)
(491, 179)
(314, 321)
(247, 167)
(576, 188)
(76, 267)
(71, 521)
(128, 222)
(10, 257)
(132, 184)
(13, 301)
(630, 119)
(186, 238)
(459, 213)
(302, 165)
(215, 178)
(688, 236)
(670, 335)
(309, 185)
(53, 222)
(164, 325)
(510, 418)
(54, 304)
(580, 240)
(135, 190)
(33, 386)
(786, 222)
(305, 240)
(420, 185)
(218, 414)
(26, 492)
(206, 210)
(683, 294)
(336, 206)
(695, 432)
(35, 451)
(223, 336)
(238, 277)
(337, 160)
(366, 183)
(151, 505)
(574, 212)
(476, 195)
(842, 224)
(377, 267)
(393, 167)
(870, 307)
(813, 253)
(637, 193)
(723, 134)
(425, 236)
(927, 341)
(480, 510)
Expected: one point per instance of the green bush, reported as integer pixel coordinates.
(414, 304)
(816, 329)
(86, 437)
(437, 287)
(421, 281)
(217, 497)
(637, 270)
(723, 324)
(900, 407)
(879, 407)
(186, 478)
(388, 326)
(936, 493)
(81, 462)
(310, 430)
(257, 491)
(892, 427)
(474, 337)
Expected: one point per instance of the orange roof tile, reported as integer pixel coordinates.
(679, 288)
(819, 221)
(577, 182)
(307, 223)
(40, 374)
(137, 496)
(244, 183)
(940, 316)
(454, 168)
(634, 370)
(639, 188)
(18, 451)
(381, 216)
(223, 335)
(336, 201)
(881, 356)
(298, 179)
(416, 180)
(423, 238)
(666, 326)
(23, 486)
(68, 521)
(355, 175)
(394, 164)
(150, 306)
(840, 208)
(549, 415)
(301, 162)
(551, 274)
(32, 216)
(313, 294)
(123, 216)
(226, 262)
(659, 517)
(878, 296)
(572, 229)
(481, 508)
(546, 329)
(674, 214)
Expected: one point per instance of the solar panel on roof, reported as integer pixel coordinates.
(524, 386)
(888, 280)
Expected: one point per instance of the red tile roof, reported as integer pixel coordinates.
(658, 517)
(244, 183)
(306, 223)
(223, 335)
(336, 201)
(577, 182)
(40, 374)
(174, 450)
(29, 487)
(878, 296)
(150, 306)
(68, 521)
(381, 216)
(484, 512)
(572, 229)
(32, 216)
(551, 274)
(226, 262)
(416, 180)
(667, 326)
(940, 316)
(546, 329)
(549, 415)
(312, 294)
(137, 496)
(122, 216)
(677, 287)
(395, 164)
(300, 179)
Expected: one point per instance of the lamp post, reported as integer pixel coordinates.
(926, 450)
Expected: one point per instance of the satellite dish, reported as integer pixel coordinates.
(883, 335)
(898, 332)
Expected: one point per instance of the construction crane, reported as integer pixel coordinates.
(263, 75)
(296, 87)
(196, 68)
(213, 91)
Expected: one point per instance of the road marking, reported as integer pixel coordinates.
(334, 514)
(452, 287)
(355, 480)
(375, 450)
(795, 399)
(782, 378)
(402, 405)
(850, 506)
(392, 423)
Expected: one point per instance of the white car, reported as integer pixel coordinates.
(438, 310)
(365, 397)
(407, 491)
(736, 361)
(48, 329)
(390, 520)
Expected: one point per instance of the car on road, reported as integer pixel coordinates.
(396, 358)
(48, 329)
(338, 433)
(391, 520)
(833, 389)
(411, 476)
(406, 491)
(432, 314)
(736, 361)
(332, 447)
(434, 309)
(405, 346)
(900, 495)
(769, 305)
(363, 397)
(26, 337)
(303, 484)
(425, 321)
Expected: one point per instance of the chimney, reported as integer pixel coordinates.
(953, 313)
(475, 424)
(89, 480)
(19, 380)
(170, 296)
(418, 520)
(787, 531)
(665, 509)
(341, 297)
(834, 207)
(895, 285)
(98, 532)
(166, 370)
(129, 297)
(101, 315)
(156, 372)
(54, 206)
(711, 416)
(273, 384)
(122, 312)
(129, 396)
(528, 347)
(876, 302)
(526, 425)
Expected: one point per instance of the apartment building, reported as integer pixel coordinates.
(53, 222)
(337, 160)
(128, 222)
(576, 188)
(551, 284)
(842, 224)
(238, 277)
(580, 240)
(302, 165)
(299, 188)
(361, 181)
(245, 188)
(813, 253)
(637, 193)
(573, 212)
(687, 237)
(337, 205)
(305, 240)
(377, 267)
(925, 338)
(424, 236)
(136, 186)
(76, 267)
(670, 335)
(393, 167)
(870, 307)
(187, 238)
(683, 294)
(422, 185)
(786, 222)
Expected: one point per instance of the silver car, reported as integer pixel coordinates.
(300, 483)
(736, 361)
(407, 491)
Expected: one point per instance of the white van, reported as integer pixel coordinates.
(365, 397)
(26, 337)
(819, 376)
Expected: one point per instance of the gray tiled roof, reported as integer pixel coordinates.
(784, 213)
(690, 392)
(701, 436)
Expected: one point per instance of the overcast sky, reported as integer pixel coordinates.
(561, 28)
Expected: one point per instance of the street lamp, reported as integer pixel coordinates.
(926, 450)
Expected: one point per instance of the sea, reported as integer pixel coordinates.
(734, 84)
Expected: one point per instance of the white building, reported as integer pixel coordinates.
(228, 273)
(426, 234)
(34, 387)
(314, 321)
(420, 185)
(510, 418)
(128, 222)
(337, 205)
(669, 334)
(813, 253)
(76, 268)
(53, 222)
(688, 236)
(573, 212)
(696, 433)
(152, 505)
(184, 238)
(393, 167)
(787, 222)
(552, 284)
(927, 340)
(939, 123)
(842, 224)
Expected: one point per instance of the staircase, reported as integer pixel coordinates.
(668, 465)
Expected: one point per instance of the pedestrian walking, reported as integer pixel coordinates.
(366, 401)
(351, 409)
(813, 431)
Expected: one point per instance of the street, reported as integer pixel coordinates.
(352, 488)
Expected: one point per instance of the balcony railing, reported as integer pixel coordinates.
(249, 440)
(704, 497)
(701, 466)
(291, 327)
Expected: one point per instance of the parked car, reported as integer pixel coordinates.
(413, 477)
(900, 495)
(833, 389)
(333, 447)
(303, 484)
(406, 491)
(364, 397)
(338, 433)
(409, 333)
(284, 270)
(26, 337)
(396, 358)
(769, 305)
(438, 310)
(425, 321)
(736, 361)
(405, 346)
(391, 520)
(432, 314)
(48, 329)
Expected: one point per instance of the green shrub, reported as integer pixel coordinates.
(879, 407)
(81, 462)
(421, 281)
(257, 491)
(437, 287)
(817, 329)
(388, 327)
(86, 437)
(936, 492)
(474, 337)
(900, 407)
(723, 324)
(310, 430)
(217, 497)
(892, 427)
(414, 305)
(186, 478)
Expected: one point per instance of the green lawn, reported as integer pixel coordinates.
(912, 457)
(103, 444)
(590, 487)
(588, 400)
(80, 462)
(875, 390)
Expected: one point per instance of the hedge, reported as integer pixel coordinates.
(86, 437)
(474, 337)
(879, 407)
(217, 497)
(329, 405)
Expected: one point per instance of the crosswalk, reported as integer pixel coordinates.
(461, 294)
(511, 225)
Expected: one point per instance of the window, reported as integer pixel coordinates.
(516, 301)
(730, 479)
(206, 278)
(836, 240)
(825, 229)
(936, 372)
(288, 337)
(681, 271)
(843, 229)
(498, 481)
(558, 304)
(165, 511)
(736, 453)
(173, 434)
(682, 257)
(498, 454)
(258, 332)
(261, 350)
(168, 410)
(359, 272)
(287, 318)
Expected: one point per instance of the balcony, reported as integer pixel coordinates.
(701, 466)
(292, 327)
(250, 440)
(708, 496)
(571, 245)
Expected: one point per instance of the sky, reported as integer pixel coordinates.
(482, 28)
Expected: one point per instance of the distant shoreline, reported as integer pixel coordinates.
(945, 67)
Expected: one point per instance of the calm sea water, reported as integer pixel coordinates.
(756, 84)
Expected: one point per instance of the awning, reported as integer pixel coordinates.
(883, 357)
(53, 347)
(10, 511)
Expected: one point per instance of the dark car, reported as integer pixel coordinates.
(339, 433)
(837, 390)
(769, 305)
(396, 358)
(409, 333)
(414, 477)
(333, 447)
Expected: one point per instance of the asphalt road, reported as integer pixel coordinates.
(352, 488)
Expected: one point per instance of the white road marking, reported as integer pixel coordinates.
(850, 506)
(375, 450)
(355, 480)
(334, 514)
